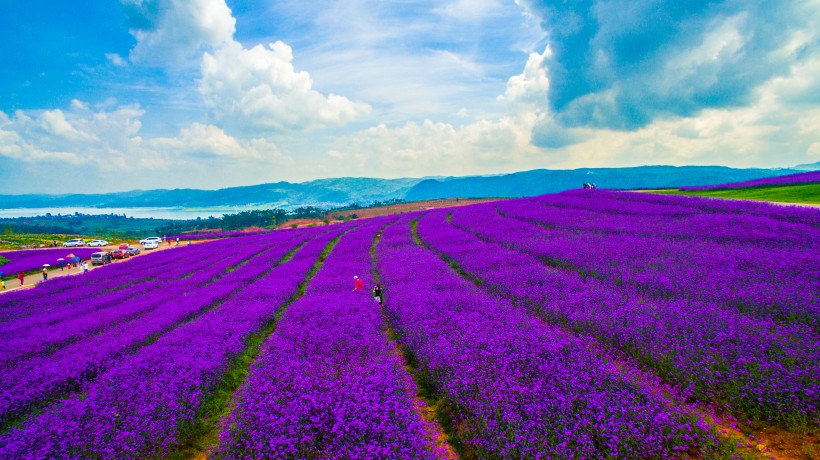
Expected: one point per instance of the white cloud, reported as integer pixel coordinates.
(115, 59)
(260, 88)
(55, 123)
(57, 136)
(529, 89)
(470, 10)
(169, 32)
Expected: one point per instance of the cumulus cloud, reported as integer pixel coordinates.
(246, 89)
(259, 87)
(623, 63)
(169, 32)
(435, 148)
(56, 136)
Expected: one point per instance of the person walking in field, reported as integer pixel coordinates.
(45, 273)
(378, 294)
(358, 285)
(21, 276)
(85, 267)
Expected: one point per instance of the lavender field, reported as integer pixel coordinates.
(588, 324)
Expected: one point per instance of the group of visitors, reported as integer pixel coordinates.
(378, 291)
(21, 276)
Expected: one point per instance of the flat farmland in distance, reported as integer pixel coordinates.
(388, 210)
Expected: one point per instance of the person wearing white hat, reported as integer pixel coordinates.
(358, 285)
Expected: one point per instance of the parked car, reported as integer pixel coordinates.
(119, 254)
(74, 243)
(132, 250)
(150, 244)
(151, 238)
(97, 243)
(100, 258)
(123, 246)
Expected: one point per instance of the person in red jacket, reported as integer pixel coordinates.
(21, 277)
(358, 285)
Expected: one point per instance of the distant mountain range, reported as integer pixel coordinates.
(328, 193)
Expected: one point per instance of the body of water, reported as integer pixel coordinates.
(156, 213)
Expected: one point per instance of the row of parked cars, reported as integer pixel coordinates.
(151, 242)
(124, 251)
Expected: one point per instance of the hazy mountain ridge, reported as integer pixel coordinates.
(342, 191)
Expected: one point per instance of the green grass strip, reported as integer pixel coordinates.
(799, 194)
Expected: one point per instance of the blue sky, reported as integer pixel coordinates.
(139, 94)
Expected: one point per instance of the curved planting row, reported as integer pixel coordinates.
(107, 288)
(327, 383)
(143, 405)
(516, 387)
(758, 368)
(603, 212)
(21, 303)
(36, 381)
(790, 179)
(70, 321)
(766, 282)
(786, 213)
(73, 290)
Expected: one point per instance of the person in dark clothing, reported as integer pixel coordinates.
(378, 294)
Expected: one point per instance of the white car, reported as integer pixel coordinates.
(97, 243)
(74, 243)
(150, 244)
(157, 239)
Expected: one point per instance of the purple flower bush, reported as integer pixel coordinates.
(791, 179)
(577, 325)
(141, 405)
(654, 253)
(117, 330)
(759, 368)
(516, 387)
(27, 260)
(327, 383)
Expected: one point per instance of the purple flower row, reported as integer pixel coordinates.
(327, 383)
(63, 290)
(66, 297)
(141, 406)
(760, 369)
(778, 282)
(37, 380)
(791, 179)
(27, 260)
(49, 330)
(516, 387)
(637, 214)
(213, 235)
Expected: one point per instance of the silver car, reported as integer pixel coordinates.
(75, 243)
(97, 243)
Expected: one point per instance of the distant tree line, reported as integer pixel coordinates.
(120, 226)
